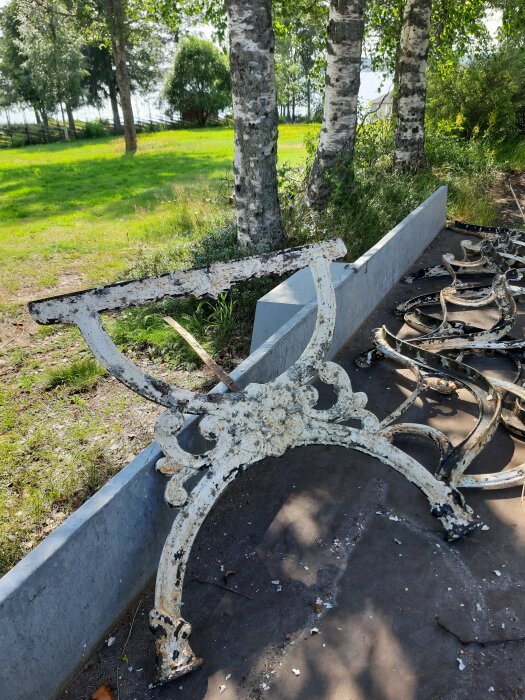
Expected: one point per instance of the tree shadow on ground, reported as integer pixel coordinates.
(110, 187)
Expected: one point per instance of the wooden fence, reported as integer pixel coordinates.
(15, 135)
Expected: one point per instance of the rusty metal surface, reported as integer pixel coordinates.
(266, 420)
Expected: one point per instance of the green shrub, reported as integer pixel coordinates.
(94, 130)
(375, 198)
(18, 140)
(198, 85)
(481, 97)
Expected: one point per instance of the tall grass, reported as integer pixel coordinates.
(222, 325)
(366, 206)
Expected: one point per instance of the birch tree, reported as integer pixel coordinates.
(51, 51)
(409, 151)
(337, 137)
(453, 29)
(252, 68)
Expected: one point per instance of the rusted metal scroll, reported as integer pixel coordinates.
(262, 420)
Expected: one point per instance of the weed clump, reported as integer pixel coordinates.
(78, 376)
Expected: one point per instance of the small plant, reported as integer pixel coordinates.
(81, 375)
(94, 130)
(18, 140)
(218, 315)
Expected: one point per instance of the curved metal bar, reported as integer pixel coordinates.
(174, 654)
(501, 251)
(484, 231)
(425, 431)
(83, 309)
(506, 479)
(123, 369)
(447, 338)
(488, 400)
(304, 369)
(210, 281)
(497, 252)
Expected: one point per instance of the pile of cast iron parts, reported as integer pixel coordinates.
(441, 356)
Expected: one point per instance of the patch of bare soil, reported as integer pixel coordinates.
(70, 280)
(121, 422)
(505, 199)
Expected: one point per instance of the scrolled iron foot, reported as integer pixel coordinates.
(456, 520)
(174, 655)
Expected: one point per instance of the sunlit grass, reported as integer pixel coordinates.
(80, 375)
(83, 206)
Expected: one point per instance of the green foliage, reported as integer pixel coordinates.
(512, 153)
(513, 21)
(16, 84)
(482, 97)
(299, 54)
(82, 208)
(51, 48)
(176, 14)
(18, 140)
(455, 28)
(363, 210)
(221, 325)
(93, 130)
(78, 376)
(199, 82)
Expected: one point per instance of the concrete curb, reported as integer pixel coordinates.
(59, 602)
(360, 286)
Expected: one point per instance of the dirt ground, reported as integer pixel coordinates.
(505, 199)
(371, 603)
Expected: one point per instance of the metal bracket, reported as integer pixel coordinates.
(260, 421)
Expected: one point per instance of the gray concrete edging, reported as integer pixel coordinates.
(58, 603)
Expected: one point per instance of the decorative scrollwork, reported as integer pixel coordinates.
(260, 421)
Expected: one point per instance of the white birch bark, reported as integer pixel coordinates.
(343, 69)
(252, 66)
(412, 96)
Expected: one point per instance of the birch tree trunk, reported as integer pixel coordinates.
(252, 66)
(343, 68)
(117, 25)
(409, 151)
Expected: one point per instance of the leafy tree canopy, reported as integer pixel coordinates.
(456, 27)
(483, 97)
(41, 56)
(199, 82)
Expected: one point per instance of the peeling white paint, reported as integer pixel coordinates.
(260, 421)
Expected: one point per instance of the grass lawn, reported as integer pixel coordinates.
(72, 215)
(82, 210)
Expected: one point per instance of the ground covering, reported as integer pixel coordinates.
(78, 214)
